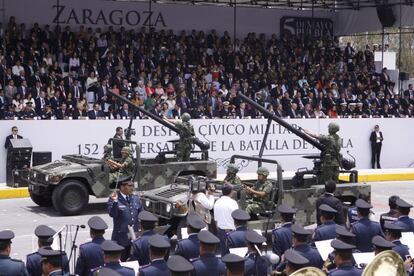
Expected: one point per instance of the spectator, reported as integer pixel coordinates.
(376, 139)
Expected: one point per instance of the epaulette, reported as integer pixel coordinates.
(194, 259)
(96, 269)
(31, 254)
(129, 268)
(228, 233)
(145, 266)
(16, 260)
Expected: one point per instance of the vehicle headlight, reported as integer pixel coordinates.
(47, 178)
(34, 174)
(168, 208)
(56, 178)
(147, 203)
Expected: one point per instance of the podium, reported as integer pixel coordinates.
(19, 155)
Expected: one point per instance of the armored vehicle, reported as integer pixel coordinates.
(67, 184)
(301, 191)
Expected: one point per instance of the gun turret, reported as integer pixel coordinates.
(202, 145)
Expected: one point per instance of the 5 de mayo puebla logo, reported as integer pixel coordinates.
(133, 18)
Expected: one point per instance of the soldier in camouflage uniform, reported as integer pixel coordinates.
(186, 132)
(125, 167)
(107, 152)
(231, 176)
(260, 193)
(330, 155)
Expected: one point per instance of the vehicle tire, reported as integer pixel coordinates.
(41, 200)
(70, 197)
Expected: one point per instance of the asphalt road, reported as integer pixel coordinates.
(22, 216)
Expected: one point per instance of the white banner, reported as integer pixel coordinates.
(227, 137)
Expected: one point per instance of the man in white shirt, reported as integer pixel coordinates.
(223, 208)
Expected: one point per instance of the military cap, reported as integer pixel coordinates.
(126, 149)
(107, 147)
(341, 231)
(44, 231)
(230, 259)
(97, 223)
(293, 257)
(48, 252)
(325, 208)
(6, 235)
(333, 128)
(232, 168)
(284, 209)
(380, 242)
(185, 117)
(147, 216)
(362, 204)
(158, 241)
(104, 271)
(207, 237)
(240, 215)
(109, 246)
(176, 263)
(340, 245)
(253, 237)
(401, 203)
(298, 229)
(194, 221)
(393, 226)
(263, 171)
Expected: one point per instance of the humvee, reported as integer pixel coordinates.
(66, 184)
(167, 202)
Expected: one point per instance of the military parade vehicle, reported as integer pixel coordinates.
(67, 184)
(300, 191)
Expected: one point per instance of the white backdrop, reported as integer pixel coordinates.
(227, 137)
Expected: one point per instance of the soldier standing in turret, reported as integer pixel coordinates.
(186, 132)
(330, 155)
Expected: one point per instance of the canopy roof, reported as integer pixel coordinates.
(331, 5)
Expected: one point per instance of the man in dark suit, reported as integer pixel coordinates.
(116, 144)
(376, 145)
(329, 198)
(14, 135)
(96, 113)
(76, 90)
(90, 253)
(124, 207)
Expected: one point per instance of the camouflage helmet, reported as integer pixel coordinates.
(185, 117)
(107, 147)
(263, 171)
(333, 128)
(232, 168)
(126, 150)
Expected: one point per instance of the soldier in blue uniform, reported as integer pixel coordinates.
(179, 266)
(393, 234)
(190, 248)
(365, 229)
(103, 271)
(9, 266)
(327, 230)
(343, 260)
(392, 214)
(404, 220)
(236, 238)
(124, 207)
(90, 253)
(158, 248)
(208, 264)
(112, 255)
(282, 236)
(294, 261)
(255, 264)
(344, 235)
(140, 247)
(330, 199)
(381, 244)
(234, 264)
(301, 245)
(44, 236)
(52, 262)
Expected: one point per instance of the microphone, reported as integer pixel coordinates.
(79, 225)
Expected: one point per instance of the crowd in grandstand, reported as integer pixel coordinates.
(58, 73)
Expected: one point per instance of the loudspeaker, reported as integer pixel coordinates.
(404, 76)
(386, 15)
(41, 157)
(17, 178)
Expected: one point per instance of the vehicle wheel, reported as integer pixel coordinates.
(70, 197)
(41, 200)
